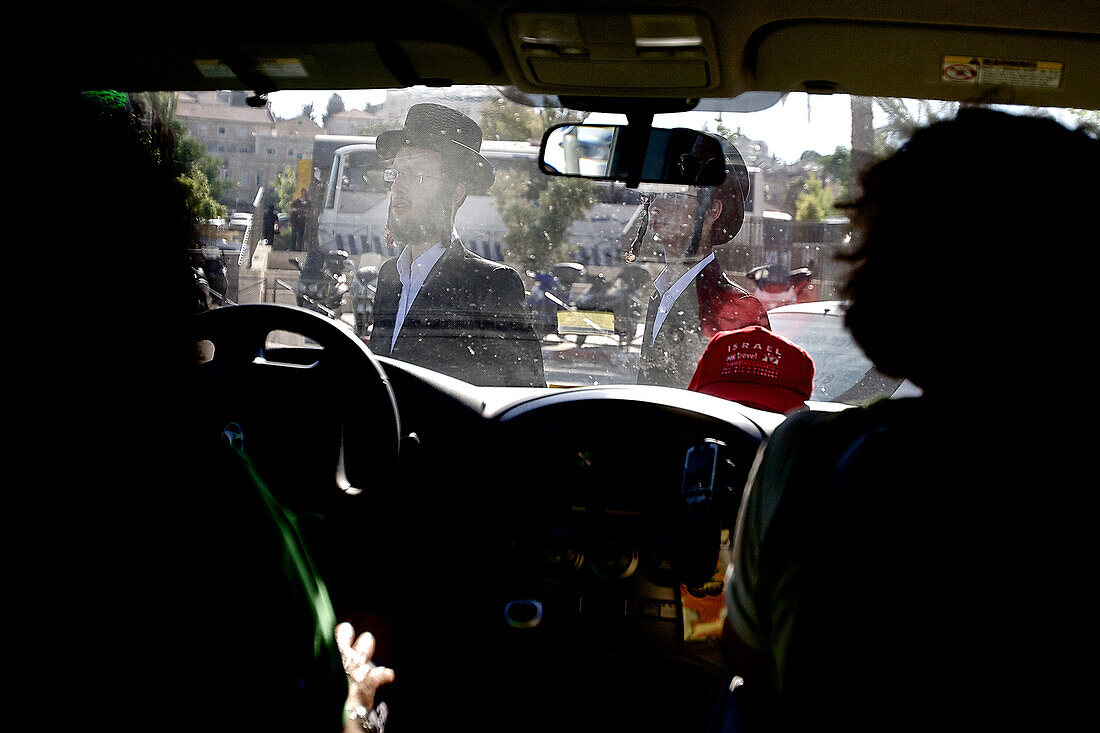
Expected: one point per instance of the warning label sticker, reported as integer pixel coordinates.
(214, 69)
(1001, 72)
(284, 68)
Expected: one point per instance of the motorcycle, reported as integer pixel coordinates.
(623, 296)
(776, 285)
(324, 282)
(552, 291)
(363, 288)
(210, 278)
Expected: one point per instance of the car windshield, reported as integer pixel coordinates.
(611, 284)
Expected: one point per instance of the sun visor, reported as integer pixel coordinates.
(616, 53)
(902, 60)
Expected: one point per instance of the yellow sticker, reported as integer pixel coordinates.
(1001, 71)
(586, 322)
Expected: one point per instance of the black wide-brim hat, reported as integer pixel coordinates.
(448, 132)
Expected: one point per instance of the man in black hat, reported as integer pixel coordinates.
(438, 304)
(693, 298)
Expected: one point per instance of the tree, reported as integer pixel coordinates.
(538, 218)
(198, 172)
(503, 119)
(814, 200)
(721, 129)
(838, 168)
(285, 188)
(903, 118)
(335, 106)
(200, 197)
(538, 210)
(1088, 119)
(863, 141)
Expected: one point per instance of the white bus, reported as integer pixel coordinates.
(353, 214)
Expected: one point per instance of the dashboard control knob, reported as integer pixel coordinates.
(523, 614)
(561, 555)
(614, 558)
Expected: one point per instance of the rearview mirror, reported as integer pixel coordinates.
(612, 152)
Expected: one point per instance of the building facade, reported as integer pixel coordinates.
(252, 144)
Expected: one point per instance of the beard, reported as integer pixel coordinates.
(680, 245)
(431, 225)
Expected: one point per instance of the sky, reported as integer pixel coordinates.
(798, 123)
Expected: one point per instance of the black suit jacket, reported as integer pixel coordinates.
(469, 321)
(712, 303)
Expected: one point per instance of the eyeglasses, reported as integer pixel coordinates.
(665, 202)
(390, 175)
(709, 171)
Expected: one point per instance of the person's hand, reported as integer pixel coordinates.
(364, 677)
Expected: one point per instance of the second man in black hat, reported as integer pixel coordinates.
(438, 304)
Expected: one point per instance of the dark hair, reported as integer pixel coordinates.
(731, 192)
(964, 202)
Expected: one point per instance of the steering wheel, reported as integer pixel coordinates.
(299, 426)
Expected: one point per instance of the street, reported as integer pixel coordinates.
(600, 360)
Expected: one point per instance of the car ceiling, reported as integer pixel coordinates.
(706, 48)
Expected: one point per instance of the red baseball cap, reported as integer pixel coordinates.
(755, 367)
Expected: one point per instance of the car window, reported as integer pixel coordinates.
(350, 174)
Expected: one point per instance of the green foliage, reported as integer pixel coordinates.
(814, 202)
(538, 214)
(903, 117)
(538, 210)
(722, 129)
(1088, 120)
(199, 199)
(198, 172)
(284, 188)
(837, 167)
(503, 119)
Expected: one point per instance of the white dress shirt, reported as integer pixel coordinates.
(412, 275)
(670, 293)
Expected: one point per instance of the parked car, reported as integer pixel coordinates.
(842, 372)
(240, 220)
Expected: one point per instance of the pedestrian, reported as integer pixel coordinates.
(777, 286)
(300, 211)
(437, 303)
(271, 225)
(693, 297)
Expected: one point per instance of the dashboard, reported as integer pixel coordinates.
(626, 511)
(578, 538)
(542, 546)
